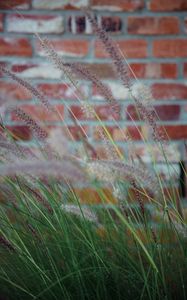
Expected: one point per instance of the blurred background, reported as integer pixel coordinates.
(152, 34)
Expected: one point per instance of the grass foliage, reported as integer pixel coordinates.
(52, 246)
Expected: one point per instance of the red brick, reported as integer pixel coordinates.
(56, 4)
(164, 112)
(153, 25)
(79, 132)
(13, 91)
(12, 4)
(120, 134)
(15, 47)
(168, 5)
(169, 91)
(19, 68)
(20, 132)
(130, 48)
(155, 70)
(168, 113)
(35, 23)
(65, 131)
(38, 112)
(105, 112)
(1, 22)
(117, 5)
(185, 70)
(71, 48)
(176, 132)
(58, 91)
(135, 132)
(104, 71)
(169, 71)
(170, 48)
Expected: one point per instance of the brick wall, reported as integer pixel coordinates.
(153, 36)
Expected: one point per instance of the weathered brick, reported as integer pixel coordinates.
(120, 134)
(131, 48)
(111, 24)
(68, 132)
(20, 132)
(79, 25)
(45, 70)
(170, 48)
(15, 47)
(154, 70)
(117, 5)
(60, 91)
(167, 91)
(40, 70)
(164, 112)
(78, 133)
(35, 23)
(69, 48)
(104, 71)
(185, 70)
(105, 112)
(185, 25)
(1, 22)
(13, 91)
(168, 5)
(168, 112)
(59, 4)
(38, 112)
(176, 132)
(153, 25)
(12, 4)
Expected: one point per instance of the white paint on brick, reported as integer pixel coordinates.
(44, 71)
(62, 53)
(107, 7)
(71, 92)
(153, 70)
(73, 25)
(52, 25)
(122, 93)
(22, 6)
(88, 26)
(118, 90)
(55, 4)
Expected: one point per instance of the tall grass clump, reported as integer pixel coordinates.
(56, 245)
